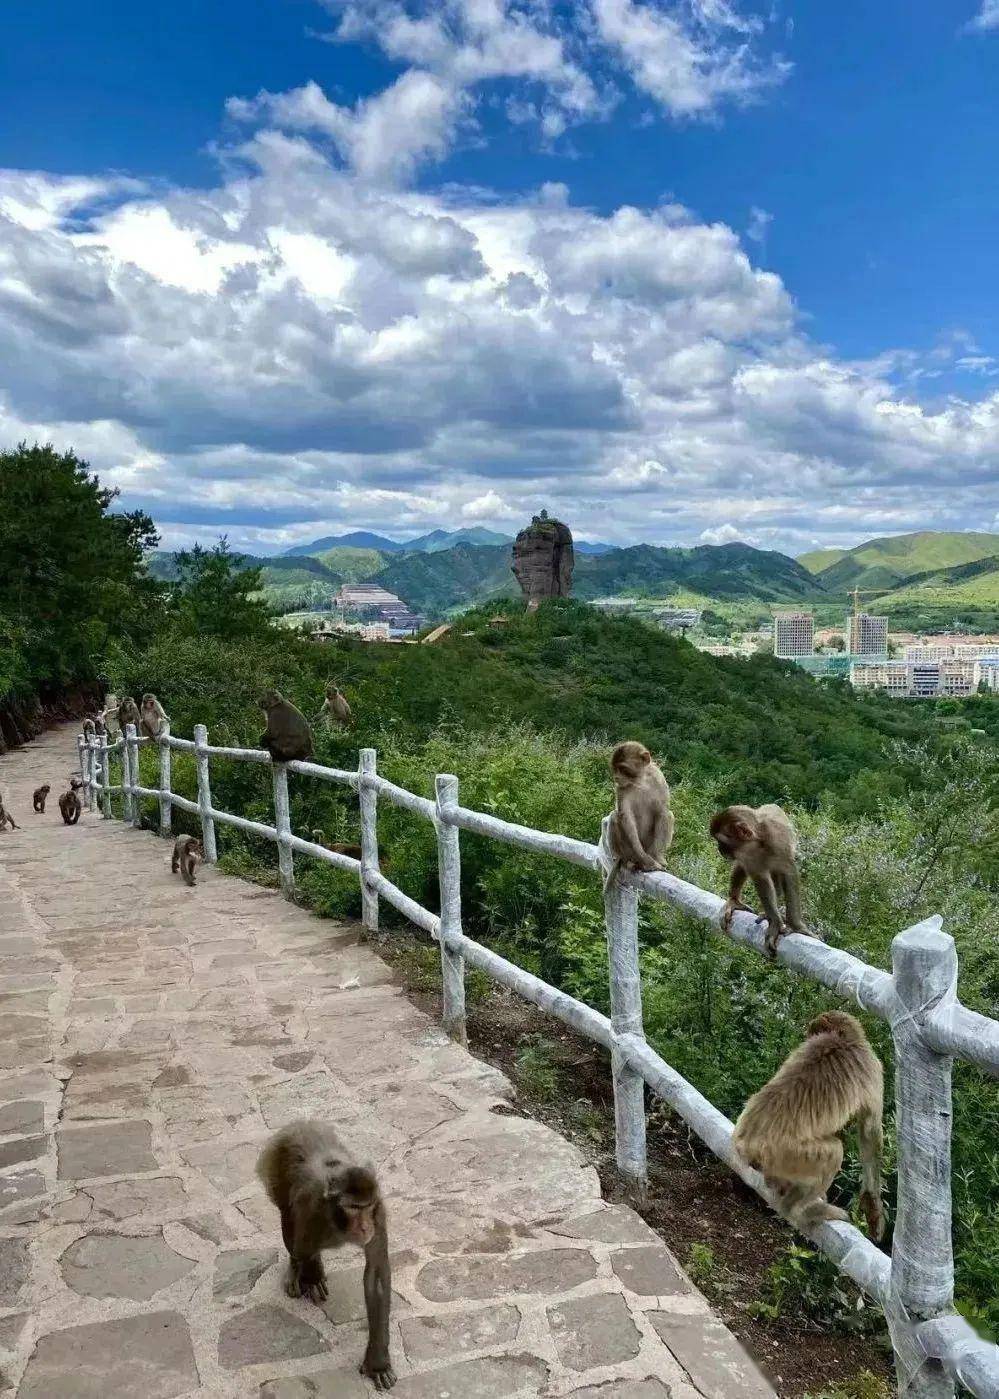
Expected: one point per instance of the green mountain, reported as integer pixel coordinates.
(436, 583)
(884, 564)
(439, 539)
(358, 539)
(973, 584)
(352, 563)
(818, 559)
(715, 570)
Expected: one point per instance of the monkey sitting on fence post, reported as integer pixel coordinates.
(327, 1198)
(640, 828)
(155, 720)
(789, 1130)
(287, 737)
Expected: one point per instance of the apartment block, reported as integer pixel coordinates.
(794, 635)
(866, 635)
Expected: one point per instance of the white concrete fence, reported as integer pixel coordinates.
(934, 1347)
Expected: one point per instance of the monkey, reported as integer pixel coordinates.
(100, 727)
(287, 736)
(70, 807)
(188, 852)
(6, 818)
(327, 1199)
(640, 828)
(335, 706)
(762, 846)
(155, 720)
(89, 731)
(128, 713)
(354, 851)
(38, 798)
(75, 784)
(789, 1130)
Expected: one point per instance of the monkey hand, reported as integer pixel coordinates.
(378, 1368)
(732, 906)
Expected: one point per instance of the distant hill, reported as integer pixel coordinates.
(280, 571)
(435, 583)
(818, 559)
(359, 539)
(353, 564)
(592, 546)
(885, 564)
(973, 584)
(440, 539)
(716, 570)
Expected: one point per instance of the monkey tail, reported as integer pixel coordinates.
(612, 875)
(871, 1141)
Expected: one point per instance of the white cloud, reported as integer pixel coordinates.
(300, 350)
(727, 534)
(758, 225)
(986, 19)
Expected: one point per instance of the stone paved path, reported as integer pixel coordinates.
(152, 1036)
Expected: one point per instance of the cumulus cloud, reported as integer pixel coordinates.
(986, 19)
(727, 534)
(302, 349)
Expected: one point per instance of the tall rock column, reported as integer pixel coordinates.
(543, 559)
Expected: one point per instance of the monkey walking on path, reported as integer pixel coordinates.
(762, 846)
(327, 1199)
(188, 853)
(6, 818)
(789, 1130)
(70, 807)
(38, 798)
(640, 828)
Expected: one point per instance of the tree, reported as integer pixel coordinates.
(72, 577)
(212, 595)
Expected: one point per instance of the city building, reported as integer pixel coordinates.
(919, 679)
(678, 618)
(836, 666)
(794, 635)
(947, 651)
(893, 676)
(986, 672)
(866, 635)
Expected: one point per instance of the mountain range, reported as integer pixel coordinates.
(433, 543)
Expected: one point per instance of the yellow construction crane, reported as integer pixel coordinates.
(858, 593)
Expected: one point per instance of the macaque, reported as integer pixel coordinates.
(70, 807)
(328, 1199)
(155, 720)
(761, 844)
(76, 784)
(128, 713)
(100, 727)
(640, 828)
(287, 736)
(89, 732)
(188, 853)
(5, 818)
(335, 706)
(789, 1130)
(38, 798)
(354, 851)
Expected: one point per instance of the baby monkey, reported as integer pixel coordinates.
(762, 846)
(790, 1129)
(39, 796)
(640, 828)
(188, 853)
(327, 1199)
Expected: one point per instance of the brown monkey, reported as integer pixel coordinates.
(5, 818)
(335, 706)
(287, 736)
(762, 846)
(70, 807)
(640, 828)
(328, 1199)
(128, 713)
(89, 731)
(100, 727)
(76, 784)
(155, 720)
(188, 852)
(789, 1130)
(38, 798)
(354, 851)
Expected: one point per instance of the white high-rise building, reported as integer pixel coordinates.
(866, 635)
(794, 635)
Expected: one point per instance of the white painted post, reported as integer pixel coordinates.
(924, 963)
(449, 877)
(105, 779)
(93, 768)
(132, 745)
(282, 824)
(81, 759)
(166, 805)
(368, 802)
(205, 794)
(621, 921)
(126, 782)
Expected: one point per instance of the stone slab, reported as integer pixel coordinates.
(148, 1355)
(594, 1331)
(119, 1265)
(718, 1366)
(265, 1335)
(119, 1148)
(472, 1278)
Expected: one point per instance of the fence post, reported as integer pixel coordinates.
(924, 963)
(621, 921)
(80, 752)
(126, 781)
(166, 805)
(93, 768)
(368, 802)
(449, 877)
(282, 823)
(105, 779)
(132, 745)
(205, 794)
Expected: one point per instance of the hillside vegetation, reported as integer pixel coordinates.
(885, 563)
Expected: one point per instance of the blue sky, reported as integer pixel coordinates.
(818, 364)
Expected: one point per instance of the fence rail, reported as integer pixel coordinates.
(934, 1347)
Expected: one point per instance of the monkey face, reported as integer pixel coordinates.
(353, 1201)
(629, 759)
(269, 699)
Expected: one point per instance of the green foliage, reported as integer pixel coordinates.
(728, 571)
(863, 1386)
(804, 1285)
(213, 596)
(71, 576)
(884, 563)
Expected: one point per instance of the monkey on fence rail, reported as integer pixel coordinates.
(128, 713)
(38, 797)
(188, 853)
(640, 828)
(155, 720)
(287, 737)
(327, 1198)
(762, 846)
(789, 1130)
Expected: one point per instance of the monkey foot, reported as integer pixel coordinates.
(382, 1376)
(316, 1291)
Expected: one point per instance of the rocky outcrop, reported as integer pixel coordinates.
(543, 559)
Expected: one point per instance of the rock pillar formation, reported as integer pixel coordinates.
(543, 559)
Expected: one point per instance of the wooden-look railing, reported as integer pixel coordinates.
(934, 1347)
